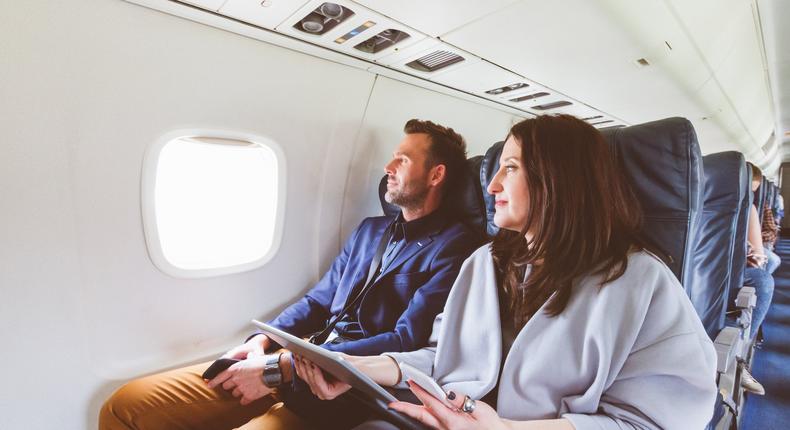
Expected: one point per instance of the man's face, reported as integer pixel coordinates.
(407, 173)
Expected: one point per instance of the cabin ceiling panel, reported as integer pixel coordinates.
(263, 14)
(435, 17)
(593, 62)
(206, 4)
(776, 34)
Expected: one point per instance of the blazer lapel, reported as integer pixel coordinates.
(409, 251)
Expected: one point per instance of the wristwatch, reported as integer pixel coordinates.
(272, 375)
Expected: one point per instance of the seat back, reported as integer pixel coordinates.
(488, 168)
(663, 164)
(466, 203)
(714, 266)
(759, 199)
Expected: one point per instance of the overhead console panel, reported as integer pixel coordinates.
(390, 48)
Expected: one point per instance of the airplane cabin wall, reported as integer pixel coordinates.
(86, 87)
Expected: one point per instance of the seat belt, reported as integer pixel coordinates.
(375, 264)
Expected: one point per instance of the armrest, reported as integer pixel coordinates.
(747, 298)
(727, 344)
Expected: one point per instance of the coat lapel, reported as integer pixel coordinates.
(409, 251)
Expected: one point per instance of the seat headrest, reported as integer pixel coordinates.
(466, 202)
(663, 164)
(714, 264)
(489, 165)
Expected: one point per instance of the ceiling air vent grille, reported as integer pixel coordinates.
(590, 118)
(602, 122)
(552, 105)
(435, 61)
(529, 97)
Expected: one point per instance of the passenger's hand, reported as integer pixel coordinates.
(244, 379)
(252, 348)
(325, 387)
(435, 414)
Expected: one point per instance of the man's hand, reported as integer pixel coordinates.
(324, 387)
(244, 379)
(254, 347)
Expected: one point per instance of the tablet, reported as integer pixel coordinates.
(330, 361)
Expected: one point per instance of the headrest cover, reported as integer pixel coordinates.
(663, 164)
(489, 165)
(466, 202)
(714, 264)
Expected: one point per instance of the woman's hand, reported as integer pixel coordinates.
(435, 414)
(325, 387)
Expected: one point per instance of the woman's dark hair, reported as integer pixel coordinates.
(447, 147)
(583, 217)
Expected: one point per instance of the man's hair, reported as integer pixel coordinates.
(447, 147)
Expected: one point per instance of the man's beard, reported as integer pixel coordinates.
(409, 197)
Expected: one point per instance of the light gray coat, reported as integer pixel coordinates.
(633, 354)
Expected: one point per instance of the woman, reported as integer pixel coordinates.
(565, 320)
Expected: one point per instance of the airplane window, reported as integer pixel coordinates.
(212, 205)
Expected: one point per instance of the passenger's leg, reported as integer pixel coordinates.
(278, 418)
(763, 284)
(177, 399)
(773, 261)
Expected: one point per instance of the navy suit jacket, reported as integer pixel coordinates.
(398, 311)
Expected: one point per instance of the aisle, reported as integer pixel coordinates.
(772, 362)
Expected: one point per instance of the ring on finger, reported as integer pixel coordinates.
(469, 405)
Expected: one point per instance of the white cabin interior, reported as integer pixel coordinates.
(86, 88)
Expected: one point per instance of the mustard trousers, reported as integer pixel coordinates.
(180, 399)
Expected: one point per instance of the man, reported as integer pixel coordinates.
(420, 253)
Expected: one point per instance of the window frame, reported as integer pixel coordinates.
(148, 205)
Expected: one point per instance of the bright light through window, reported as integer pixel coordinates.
(215, 202)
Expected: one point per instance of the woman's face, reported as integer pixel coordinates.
(509, 187)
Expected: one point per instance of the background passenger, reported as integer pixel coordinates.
(758, 277)
(770, 231)
(424, 248)
(565, 320)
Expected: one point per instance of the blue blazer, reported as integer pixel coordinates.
(398, 311)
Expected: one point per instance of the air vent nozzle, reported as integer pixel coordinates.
(382, 41)
(323, 18)
(507, 88)
(435, 61)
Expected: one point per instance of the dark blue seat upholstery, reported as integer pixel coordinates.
(663, 164)
(467, 204)
(715, 268)
(488, 168)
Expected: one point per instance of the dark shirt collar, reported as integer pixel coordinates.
(415, 228)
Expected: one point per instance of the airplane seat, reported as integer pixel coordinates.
(488, 168)
(759, 199)
(467, 202)
(662, 162)
(715, 269)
